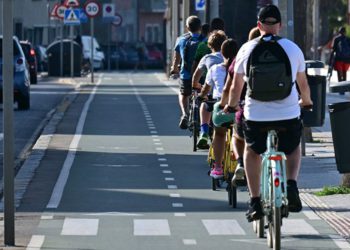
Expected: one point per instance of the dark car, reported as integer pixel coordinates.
(29, 53)
(21, 83)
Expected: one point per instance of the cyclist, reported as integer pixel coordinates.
(216, 38)
(261, 114)
(185, 50)
(215, 79)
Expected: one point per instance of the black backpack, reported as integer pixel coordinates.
(343, 49)
(269, 71)
(190, 49)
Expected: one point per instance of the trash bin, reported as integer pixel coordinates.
(317, 84)
(340, 123)
(54, 57)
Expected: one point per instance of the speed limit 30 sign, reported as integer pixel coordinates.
(92, 8)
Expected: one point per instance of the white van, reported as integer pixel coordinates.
(99, 56)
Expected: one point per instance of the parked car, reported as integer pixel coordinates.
(29, 53)
(21, 82)
(41, 58)
(99, 56)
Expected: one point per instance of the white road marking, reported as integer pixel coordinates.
(167, 172)
(179, 214)
(150, 227)
(160, 149)
(340, 242)
(1, 136)
(223, 227)
(162, 159)
(154, 132)
(151, 127)
(169, 179)
(158, 143)
(155, 136)
(298, 227)
(174, 195)
(158, 153)
(36, 242)
(164, 165)
(64, 174)
(117, 165)
(177, 205)
(189, 242)
(46, 217)
(114, 214)
(82, 227)
(172, 187)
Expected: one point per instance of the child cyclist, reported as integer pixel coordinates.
(215, 79)
(216, 38)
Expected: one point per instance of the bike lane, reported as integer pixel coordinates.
(135, 184)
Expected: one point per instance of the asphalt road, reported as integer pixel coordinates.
(45, 96)
(120, 174)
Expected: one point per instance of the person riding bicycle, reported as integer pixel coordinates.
(216, 38)
(216, 79)
(265, 108)
(185, 49)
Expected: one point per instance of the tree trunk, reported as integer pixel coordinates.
(346, 180)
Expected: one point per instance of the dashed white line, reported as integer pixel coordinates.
(179, 214)
(167, 172)
(164, 165)
(162, 159)
(189, 242)
(172, 187)
(148, 227)
(169, 179)
(177, 205)
(154, 132)
(36, 242)
(46, 217)
(174, 195)
(159, 149)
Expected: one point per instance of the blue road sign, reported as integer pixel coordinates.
(83, 17)
(200, 5)
(72, 17)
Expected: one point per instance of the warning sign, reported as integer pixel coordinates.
(72, 17)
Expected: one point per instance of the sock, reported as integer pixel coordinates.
(254, 200)
(205, 128)
(292, 183)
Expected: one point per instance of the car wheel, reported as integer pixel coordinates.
(23, 102)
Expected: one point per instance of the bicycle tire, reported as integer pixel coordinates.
(195, 135)
(260, 228)
(274, 238)
(233, 196)
(213, 184)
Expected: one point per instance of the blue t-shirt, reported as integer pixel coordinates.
(179, 47)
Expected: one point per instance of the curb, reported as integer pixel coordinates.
(338, 222)
(33, 152)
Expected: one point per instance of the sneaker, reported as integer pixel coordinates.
(239, 173)
(217, 172)
(294, 202)
(203, 141)
(255, 211)
(183, 122)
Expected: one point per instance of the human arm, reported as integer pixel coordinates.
(196, 77)
(205, 90)
(305, 96)
(226, 90)
(235, 92)
(176, 61)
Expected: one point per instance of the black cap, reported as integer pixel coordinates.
(269, 11)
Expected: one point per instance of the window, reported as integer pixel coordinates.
(153, 34)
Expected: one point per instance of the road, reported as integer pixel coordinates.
(119, 174)
(45, 96)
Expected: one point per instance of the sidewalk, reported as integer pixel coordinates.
(319, 170)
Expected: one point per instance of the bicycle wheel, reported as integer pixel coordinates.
(195, 132)
(233, 196)
(258, 227)
(213, 184)
(274, 237)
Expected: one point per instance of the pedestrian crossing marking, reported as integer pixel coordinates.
(189, 242)
(298, 227)
(36, 242)
(149, 227)
(223, 227)
(80, 227)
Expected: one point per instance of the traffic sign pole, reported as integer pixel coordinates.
(109, 46)
(8, 143)
(92, 49)
(72, 52)
(61, 50)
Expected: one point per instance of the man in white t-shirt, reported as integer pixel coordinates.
(282, 113)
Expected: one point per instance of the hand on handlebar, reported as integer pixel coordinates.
(306, 105)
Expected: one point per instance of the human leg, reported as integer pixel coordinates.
(184, 94)
(218, 148)
(205, 120)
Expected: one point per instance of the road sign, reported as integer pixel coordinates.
(53, 12)
(60, 11)
(200, 5)
(92, 8)
(71, 3)
(108, 10)
(72, 17)
(118, 20)
(83, 17)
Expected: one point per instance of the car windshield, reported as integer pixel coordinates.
(16, 51)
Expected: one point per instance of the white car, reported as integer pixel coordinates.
(98, 55)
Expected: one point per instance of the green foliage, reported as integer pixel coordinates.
(337, 14)
(330, 190)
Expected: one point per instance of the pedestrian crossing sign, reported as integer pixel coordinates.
(72, 17)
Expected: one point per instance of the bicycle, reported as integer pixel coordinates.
(229, 164)
(273, 189)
